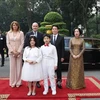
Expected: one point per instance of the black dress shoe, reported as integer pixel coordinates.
(59, 86)
(38, 85)
(2, 65)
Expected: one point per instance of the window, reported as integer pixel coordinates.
(96, 43)
(88, 43)
(66, 43)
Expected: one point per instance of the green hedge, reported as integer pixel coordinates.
(62, 35)
(43, 29)
(60, 25)
(53, 17)
(45, 23)
(96, 36)
(64, 32)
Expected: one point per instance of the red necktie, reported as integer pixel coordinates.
(46, 44)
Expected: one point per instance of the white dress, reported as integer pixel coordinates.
(32, 72)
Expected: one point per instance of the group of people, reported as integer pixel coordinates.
(42, 56)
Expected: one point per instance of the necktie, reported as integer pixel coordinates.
(35, 34)
(54, 39)
(46, 44)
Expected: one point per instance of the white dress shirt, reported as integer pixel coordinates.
(49, 52)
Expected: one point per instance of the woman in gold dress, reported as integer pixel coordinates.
(75, 77)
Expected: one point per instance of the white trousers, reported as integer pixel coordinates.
(48, 72)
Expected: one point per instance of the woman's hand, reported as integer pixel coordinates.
(31, 62)
(75, 57)
(34, 62)
(15, 53)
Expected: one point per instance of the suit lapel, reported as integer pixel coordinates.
(57, 40)
(38, 35)
(51, 39)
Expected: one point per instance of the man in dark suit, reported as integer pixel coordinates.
(39, 37)
(58, 41)
(35, 33)
(2, 47)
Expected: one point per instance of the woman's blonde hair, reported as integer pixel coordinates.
(17, 24)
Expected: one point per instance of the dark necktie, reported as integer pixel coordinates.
(54, 39)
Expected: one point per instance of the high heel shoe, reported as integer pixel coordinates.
(12, 86)
(17, 86)
(33, 93)
(29, 93)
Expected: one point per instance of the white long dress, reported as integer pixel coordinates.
(32, 72)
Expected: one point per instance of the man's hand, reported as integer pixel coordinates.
(62, 59)
(55, 67)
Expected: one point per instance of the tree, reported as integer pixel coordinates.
(53, 18)
(78, 11)
(92, 25)
(86, 11)
(74, 12)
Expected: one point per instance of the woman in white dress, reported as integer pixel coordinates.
(32, 71)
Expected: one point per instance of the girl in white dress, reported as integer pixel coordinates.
(32, 71)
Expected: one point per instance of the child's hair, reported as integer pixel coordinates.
(35, 39)
(46, 35)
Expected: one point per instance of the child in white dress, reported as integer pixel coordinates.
(32, 70)
(49, 64)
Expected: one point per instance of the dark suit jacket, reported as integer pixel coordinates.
(2, 42)
(39, 38)
(59, 46)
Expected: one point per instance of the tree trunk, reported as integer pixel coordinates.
(29, 13)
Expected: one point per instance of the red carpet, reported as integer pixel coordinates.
(92, 90)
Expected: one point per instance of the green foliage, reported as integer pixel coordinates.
(28, 11)
(60, 24)
(43, 29)
(62, 35)
(45, 23)
(93, 25)
(95, 36)
(53, 17)
(64, 31)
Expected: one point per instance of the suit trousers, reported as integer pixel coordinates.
(59, 71)
(15, 70)
(2, 56)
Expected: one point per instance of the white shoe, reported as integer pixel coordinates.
(33, 93)
(29, 93)
(53, 92)
(45, 92)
